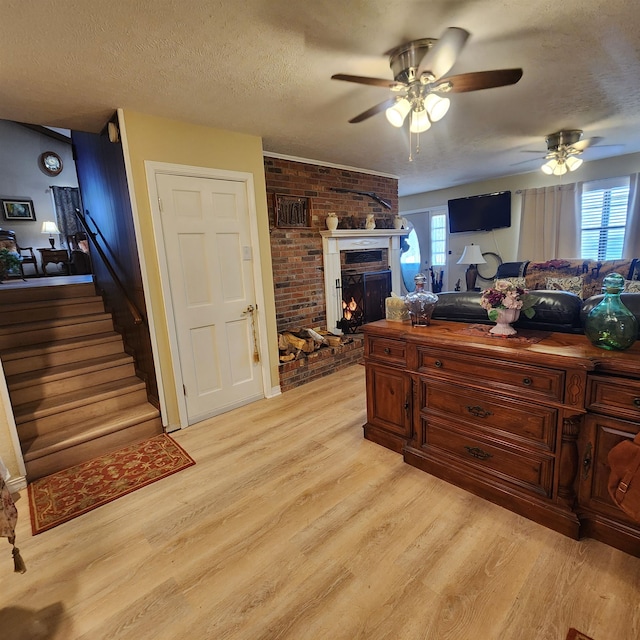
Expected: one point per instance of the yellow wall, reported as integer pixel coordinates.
(148, 138)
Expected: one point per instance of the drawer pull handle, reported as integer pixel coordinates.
(479, 412)
(636, 402)
(438, 364)
(387, 350)
(527, 382)
(478, 453)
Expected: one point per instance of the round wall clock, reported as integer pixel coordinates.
(51, 163)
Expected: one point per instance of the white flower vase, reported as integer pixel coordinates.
(332, 222)
(398, 221)
(503, 322)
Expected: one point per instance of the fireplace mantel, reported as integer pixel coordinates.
(333, 242)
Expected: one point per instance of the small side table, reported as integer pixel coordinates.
(57, 256)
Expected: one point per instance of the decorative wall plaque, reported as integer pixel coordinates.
(292, 211)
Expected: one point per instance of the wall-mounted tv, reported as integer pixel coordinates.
(480, 213)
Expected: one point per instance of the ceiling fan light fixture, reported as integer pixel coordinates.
(419, 121)
(573, 163)
(560, 169)
(436, 107)
(398, 112)
(549, 166)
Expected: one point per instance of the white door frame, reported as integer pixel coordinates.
(153, 169)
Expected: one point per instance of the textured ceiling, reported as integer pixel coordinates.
(263, 67)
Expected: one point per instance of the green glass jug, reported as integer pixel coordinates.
(610, 325)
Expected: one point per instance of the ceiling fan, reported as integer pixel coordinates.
(418, 70)
(563, 149)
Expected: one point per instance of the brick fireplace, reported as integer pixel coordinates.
(297, 253)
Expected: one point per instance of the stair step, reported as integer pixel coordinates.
(54, 381)
(46, 292)
(47, 454)
(76, 349)
(80, 405)
(50, 330)
(17, 313)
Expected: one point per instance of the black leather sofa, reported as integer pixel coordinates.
(554, 310)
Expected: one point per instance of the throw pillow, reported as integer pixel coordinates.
(572, 284)
(515, 281)
(632, 286)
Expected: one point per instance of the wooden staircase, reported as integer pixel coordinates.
(74, 390)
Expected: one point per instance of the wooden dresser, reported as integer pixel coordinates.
(525, 422)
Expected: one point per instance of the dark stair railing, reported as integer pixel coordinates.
(135, 312)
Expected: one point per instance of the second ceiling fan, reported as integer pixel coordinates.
(418, 70)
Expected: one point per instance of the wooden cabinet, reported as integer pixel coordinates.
(525, 423)
(614, 416)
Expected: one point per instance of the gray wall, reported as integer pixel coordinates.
(21, 177)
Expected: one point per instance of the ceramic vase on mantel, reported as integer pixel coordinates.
(503, 322)
(332, 221)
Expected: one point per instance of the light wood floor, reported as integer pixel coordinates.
(291, 525)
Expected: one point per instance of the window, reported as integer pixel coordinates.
(438, 239)
(603, 218)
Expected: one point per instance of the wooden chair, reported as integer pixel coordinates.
(9, 241)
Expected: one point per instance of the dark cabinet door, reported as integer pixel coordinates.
(389, 400)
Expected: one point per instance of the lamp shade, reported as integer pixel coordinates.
(398, 112)
(436, 106)
(471, 255)
(419, 121)
(48, 226)
(573, 163)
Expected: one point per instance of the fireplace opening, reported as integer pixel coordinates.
(363, 298)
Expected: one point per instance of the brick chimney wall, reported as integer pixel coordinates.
(297, 253)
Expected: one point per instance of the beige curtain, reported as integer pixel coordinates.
(631, 247)
(550, 223)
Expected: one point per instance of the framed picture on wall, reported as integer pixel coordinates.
(18, 209)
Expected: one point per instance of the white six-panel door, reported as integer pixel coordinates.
(205, 226)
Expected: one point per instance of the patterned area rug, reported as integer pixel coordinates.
(67, 494)
(576, 635)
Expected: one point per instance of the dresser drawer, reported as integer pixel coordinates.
(514, 465)
(521, 422)
(509, 377)
(387, 350)
(620, 398)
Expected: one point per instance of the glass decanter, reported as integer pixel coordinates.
(610, 325)
(420, 303)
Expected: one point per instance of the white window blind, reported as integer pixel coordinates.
(603, 218)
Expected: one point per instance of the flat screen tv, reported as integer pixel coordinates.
(480, 213)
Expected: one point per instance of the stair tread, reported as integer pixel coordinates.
(49, 374)
(43, 348)
(75, 434)
(56, 404)
(55, 322)
(51, 302)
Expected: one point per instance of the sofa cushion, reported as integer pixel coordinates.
(574, 284)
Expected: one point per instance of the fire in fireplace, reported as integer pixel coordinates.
(363, 298)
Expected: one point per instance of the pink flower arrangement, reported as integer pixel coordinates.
(506, 295)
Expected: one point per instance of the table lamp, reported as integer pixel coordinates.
(473, 257)
(50, 227)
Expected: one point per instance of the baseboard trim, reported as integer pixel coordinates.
(17, 484)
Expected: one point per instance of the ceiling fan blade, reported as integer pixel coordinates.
(480, 80)
(581, 145)
(372, 112)
(376, 82)
(442, 56)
